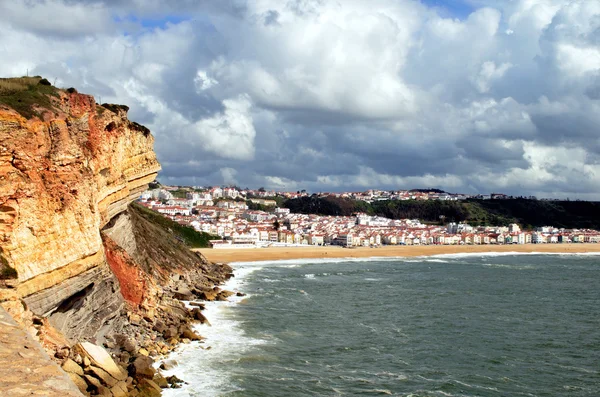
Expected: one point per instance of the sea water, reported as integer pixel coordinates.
(454, 325)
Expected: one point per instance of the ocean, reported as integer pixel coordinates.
(450, 325)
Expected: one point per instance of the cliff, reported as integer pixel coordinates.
(77, 263)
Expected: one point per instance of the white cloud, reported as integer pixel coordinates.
(323, 94)
(203, 81)
(228, 175)
(57, 17)
(228, 134)
(488, 73)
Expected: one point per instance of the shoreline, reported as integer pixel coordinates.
(286, 253)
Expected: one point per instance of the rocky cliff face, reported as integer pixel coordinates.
(62, 178)
(61, 181)
(77, 262)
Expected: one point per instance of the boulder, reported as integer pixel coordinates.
(174, 381)
(124, 357)
(149, 388)
(119, 390)
(197, 314)
(223, 295)
(170, 332)
(186, 332)
(168, 364)
(93, 382)
(71, 366)
(142, 368)
(104, 376)
(159, 326)
(100, 358)
(160, 381)
(126, 343)
(134, 318)
(183, 295)
(62, 353)
(208, 295)
(79, 382)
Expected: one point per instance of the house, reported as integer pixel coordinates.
(173, 210)
(390, 239)
(316, 239)
(217, 192)
(345, 240)
(273, 236)
(563, 238)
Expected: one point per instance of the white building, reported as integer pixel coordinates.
(174, 210)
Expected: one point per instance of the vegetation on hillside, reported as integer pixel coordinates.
(528, 213)
(27, 95)
(185, 234)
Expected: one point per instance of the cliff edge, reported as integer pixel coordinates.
(78, 264)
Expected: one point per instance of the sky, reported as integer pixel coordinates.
(469, 96)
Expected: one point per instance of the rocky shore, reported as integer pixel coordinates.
(123, 364)
(90, 278)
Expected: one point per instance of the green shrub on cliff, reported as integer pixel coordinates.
(27, 95)
(184, 234)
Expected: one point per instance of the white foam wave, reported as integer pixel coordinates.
(201, 364)
(509, 253)
(308, 261)
(408, 259)
(504, 266)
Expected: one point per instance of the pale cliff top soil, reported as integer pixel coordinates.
(25, 367)
(281, 253)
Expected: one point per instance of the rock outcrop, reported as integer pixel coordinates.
(80, 267)
(61, 180)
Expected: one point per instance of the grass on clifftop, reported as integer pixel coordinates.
(27, 94)
(185, 234)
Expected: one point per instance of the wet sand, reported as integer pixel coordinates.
(281, 253)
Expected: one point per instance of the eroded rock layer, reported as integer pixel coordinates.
(91, 277)
(61, 180)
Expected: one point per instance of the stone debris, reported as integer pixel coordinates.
(26, 368)
(101, 359)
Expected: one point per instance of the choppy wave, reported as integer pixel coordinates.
(391, 329)
(200, 364)
(408, 259)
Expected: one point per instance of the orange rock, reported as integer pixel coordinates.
(61, 180)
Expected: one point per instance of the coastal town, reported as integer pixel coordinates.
(226, 213)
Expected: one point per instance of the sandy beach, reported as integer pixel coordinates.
(280, 253)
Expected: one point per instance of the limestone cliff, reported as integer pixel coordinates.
(61, 180)
(77, 261)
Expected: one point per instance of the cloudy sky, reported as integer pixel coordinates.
(331, 95)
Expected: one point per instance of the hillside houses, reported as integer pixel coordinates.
(233, 221)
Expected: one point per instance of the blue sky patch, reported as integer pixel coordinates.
(451, 8)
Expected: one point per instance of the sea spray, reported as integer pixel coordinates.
(201, 363)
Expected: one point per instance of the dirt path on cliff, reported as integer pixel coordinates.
(25, 368)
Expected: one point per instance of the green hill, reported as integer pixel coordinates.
(528, 213)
